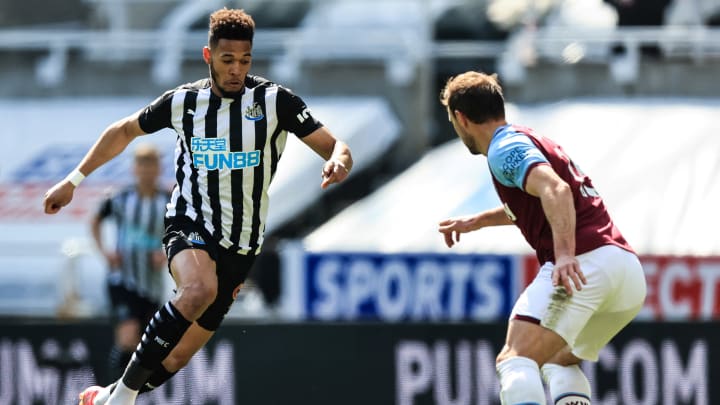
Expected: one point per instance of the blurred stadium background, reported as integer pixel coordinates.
(355, 299)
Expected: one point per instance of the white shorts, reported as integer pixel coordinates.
(587, 320)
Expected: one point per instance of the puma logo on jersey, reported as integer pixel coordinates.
(190, 112)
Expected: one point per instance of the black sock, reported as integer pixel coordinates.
(162, 334)
(118, 359)
(158, 378)
(135, 375)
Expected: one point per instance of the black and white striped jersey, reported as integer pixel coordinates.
(227, 152)
(140, 228)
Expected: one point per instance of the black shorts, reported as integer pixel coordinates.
(231, 268)
(128, 304)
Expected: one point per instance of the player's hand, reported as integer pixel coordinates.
(567, 269)
(58, 196)
(333, 171)
(451, 228)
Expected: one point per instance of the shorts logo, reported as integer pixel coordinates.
(195, 238)
(254, 112)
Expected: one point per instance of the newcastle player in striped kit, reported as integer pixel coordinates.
(137, 266)
(231, 131)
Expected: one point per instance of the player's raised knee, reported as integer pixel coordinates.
(196, 296)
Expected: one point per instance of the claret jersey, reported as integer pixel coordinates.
(513, 151)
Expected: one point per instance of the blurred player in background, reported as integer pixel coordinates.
(591, 283)
(231, 131)
(137, 263)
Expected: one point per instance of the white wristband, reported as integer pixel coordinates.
(75, 177)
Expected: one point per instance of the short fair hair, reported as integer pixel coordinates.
(146, 152)
(477, 95)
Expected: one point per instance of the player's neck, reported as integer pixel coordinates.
(486, 131)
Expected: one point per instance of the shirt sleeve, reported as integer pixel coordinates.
(293, 115)
(511, 159)
(156, 115)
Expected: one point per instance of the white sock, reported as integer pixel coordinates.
(568, 384)
(520, 382)
(122, 395)
(103, 395)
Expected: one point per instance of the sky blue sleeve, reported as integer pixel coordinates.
(511, 158)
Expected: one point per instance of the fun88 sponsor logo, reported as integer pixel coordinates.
(212, 154)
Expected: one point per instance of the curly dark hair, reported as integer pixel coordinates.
(230, 24)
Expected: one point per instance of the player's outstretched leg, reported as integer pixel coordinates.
(158, 378)
(520, 382)
(568, 384)
(117, 360)
(161, 336)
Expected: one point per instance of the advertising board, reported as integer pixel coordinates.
(400, 287)
(358, 363)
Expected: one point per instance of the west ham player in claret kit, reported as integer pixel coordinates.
(590, 284)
